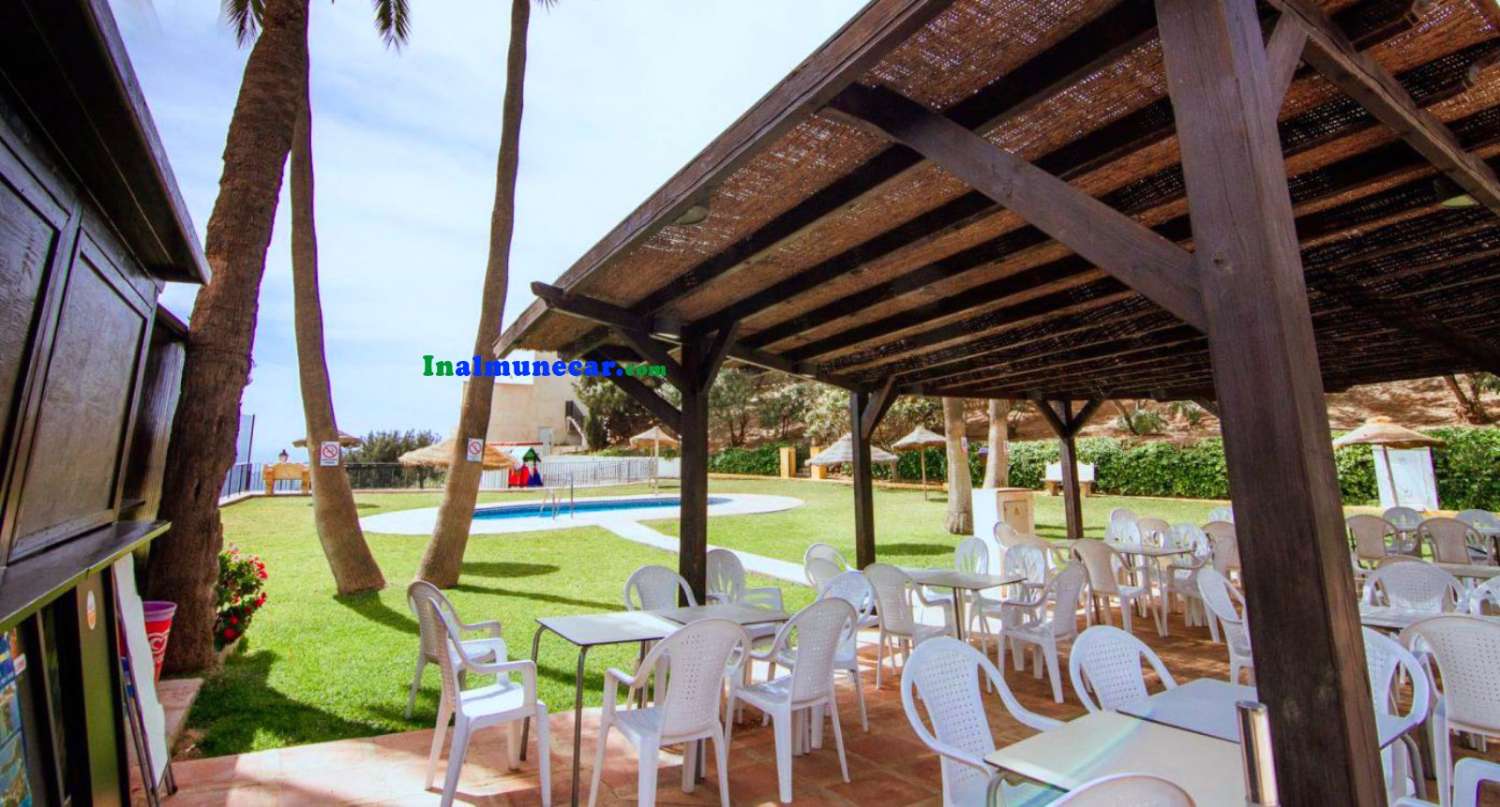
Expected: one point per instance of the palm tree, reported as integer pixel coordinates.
(960, 486)
(184, 561)
(444, 555)
(997, 464)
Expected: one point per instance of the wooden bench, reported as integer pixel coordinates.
(1085, 478)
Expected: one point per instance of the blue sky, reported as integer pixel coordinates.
(619, 96)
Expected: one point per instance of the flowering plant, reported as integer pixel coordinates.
(240, 593)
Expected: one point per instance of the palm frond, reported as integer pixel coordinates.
(245, 17)
(547, 4)
(392, 21)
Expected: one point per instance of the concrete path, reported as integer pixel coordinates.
(755, 564)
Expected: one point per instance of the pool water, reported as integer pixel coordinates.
(532, 509)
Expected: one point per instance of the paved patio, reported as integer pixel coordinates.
(887, 765)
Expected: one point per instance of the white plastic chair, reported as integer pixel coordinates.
(1406, 520)
(1181, 575)
(1479, 596)
(1454, 541)
(1483, 521)
(795, 702)
(1227, 605)
(696, 661)
(431, 642)
(899, 629)
(1374, 538)
(1154, 531)
(826, 552)
(1226, 545)
(1127, 790)
(726, 583)
(501, 703)
(1468, 776)
(853, 588)
(1466, 650)
(820, 570)
(1385, 656)
(1414, 586)
(1107, 661)
(1029, 627)
(1222, 514)
(655, 588)
(1118, 517)
(1104, 565)
(944, 673)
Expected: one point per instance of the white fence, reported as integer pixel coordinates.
(582, 471)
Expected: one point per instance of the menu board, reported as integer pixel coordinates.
(15, 787)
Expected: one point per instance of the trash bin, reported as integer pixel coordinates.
(158, 628)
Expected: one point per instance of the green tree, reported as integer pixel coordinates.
(781, 402)
(613, 416)
(730, 404)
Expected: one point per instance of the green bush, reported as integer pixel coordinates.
(762, 460)
(1468, 468)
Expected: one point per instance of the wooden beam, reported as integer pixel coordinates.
(1283, 55)
(880, 403)
(1067, 452)
(717, 350)
(1366, 81)
(1208, 405)
(1084, 414)
(582, 307)
(1143, 260)
(860, 408)
(656, 353)
(643, 395)
(1288, 513)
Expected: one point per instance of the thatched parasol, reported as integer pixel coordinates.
(346, 440)
(1384, 434)
(921, 439)
(842, 452)
(438, 455)
(655, 437)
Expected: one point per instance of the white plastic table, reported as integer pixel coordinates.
(1207, 706)
(960, 582)
(587, 631)
(1470, 571)
(1104, 743)
(1155, 584)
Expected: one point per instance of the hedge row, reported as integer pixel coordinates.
(1467, 467)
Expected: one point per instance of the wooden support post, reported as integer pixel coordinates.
(1267, 383)
(860, 404)
(692, 530)
(1068, 454)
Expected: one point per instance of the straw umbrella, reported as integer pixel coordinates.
(921, 439)
(842, 452)
(346, 440)
(1382, 433)
(438, 455)
(655, 436)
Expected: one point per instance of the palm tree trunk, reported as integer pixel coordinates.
(960, 486)
(184, 561)
(354, 568)
(443, 558)
(997, 465)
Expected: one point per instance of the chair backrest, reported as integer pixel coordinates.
(428, 622)
(1374, 537)
(1467, 652)
(820, 570)
(816, 632)
(892, 597)
(1100, 561)
(697, 657)
(972, 555)
(1225, 604)
(944, 673)
(1479, 596)
(1154, 531)
(1480, 520)
(1226, 546)
(1415, 586)
(1404, 518)
(1118, 517)
(1108, 661)
(1190, 536)
(1028, 560)
(1127, 790)
(1451, 540)
(439, 628)
(826, 552)
(852, 588)
(1222, 514)
(1383, 657)
(653, 588)
(1064, 591)
(725, 574)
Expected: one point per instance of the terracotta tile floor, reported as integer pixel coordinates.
(887, 764)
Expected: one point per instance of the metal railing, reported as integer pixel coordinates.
(589, 471)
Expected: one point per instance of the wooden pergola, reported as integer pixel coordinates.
(1071, 200)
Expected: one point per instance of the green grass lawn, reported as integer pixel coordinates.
(317, 667)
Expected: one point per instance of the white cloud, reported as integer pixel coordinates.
(619, 96)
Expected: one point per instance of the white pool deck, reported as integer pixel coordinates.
(624, 522)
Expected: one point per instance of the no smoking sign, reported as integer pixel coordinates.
(328, 453)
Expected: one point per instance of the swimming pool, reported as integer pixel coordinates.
(530, 510)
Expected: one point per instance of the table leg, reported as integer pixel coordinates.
(583, 654)
(958, 614)
(536, 643)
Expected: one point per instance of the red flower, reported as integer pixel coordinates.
(234, 620)
(229, 634)
(262, 574)
(261, 600)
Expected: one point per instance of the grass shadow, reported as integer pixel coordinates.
(593, 605)
(372, 608)
(914, 549)
(502, 568)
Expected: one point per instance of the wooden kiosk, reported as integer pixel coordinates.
(91, 227)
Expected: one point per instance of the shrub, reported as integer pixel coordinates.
(762, 460)
(240, 593)
(1468, 468)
